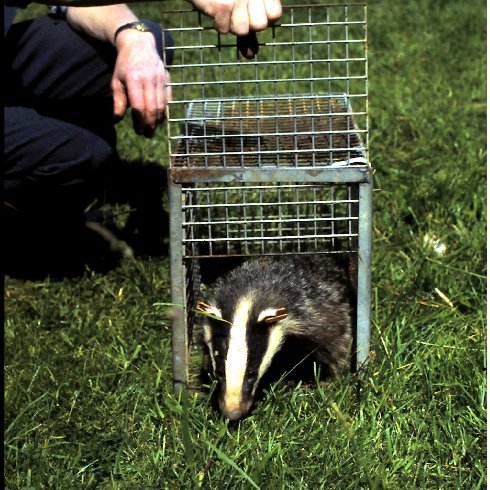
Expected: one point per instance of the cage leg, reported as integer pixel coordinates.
(363, 334)
(180, 343)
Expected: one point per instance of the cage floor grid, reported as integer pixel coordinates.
(282, 132)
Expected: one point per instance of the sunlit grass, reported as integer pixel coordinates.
(88, 385)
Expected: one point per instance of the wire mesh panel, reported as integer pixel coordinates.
(269, 155)
(301, 101)
(230, 133)
(258, 219)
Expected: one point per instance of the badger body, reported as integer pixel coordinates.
(254, 311)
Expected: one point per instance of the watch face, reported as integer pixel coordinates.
(141, 27)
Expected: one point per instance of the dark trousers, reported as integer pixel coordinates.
(58, 116)
(59, 145)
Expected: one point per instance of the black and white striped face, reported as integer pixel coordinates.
(242, 342)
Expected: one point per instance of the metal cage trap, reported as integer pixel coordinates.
(268, 155)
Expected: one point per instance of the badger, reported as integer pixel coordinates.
(299, 306)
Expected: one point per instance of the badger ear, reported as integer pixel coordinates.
(272, 315)
(210, 311)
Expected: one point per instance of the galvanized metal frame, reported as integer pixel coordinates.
(219, 130)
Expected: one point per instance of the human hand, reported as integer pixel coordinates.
(141, 81)
(240, 17)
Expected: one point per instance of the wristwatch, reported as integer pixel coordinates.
(58, 11)
(138, 25)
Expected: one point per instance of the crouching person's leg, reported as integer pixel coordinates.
(52, 172)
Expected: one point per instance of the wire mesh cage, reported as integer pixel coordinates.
(302, 100)
(269, 155)
(264, 218)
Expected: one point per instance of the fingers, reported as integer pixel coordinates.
(167, 88)
(273, 9)
(147, 93)
(257, 15)
(221, 13)
(239, 17)
(155, 98)
(146, 117)
(120, 99)
(148, 102)
(248, 15)
(253, 15)
(147, 99)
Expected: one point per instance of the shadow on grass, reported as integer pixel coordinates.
(126, 219)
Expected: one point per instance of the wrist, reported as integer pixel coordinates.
(137, 26)
(130, 38)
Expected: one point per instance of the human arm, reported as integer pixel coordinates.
(140, 79)
(235, 16)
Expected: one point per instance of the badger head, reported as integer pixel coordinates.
(242, 341)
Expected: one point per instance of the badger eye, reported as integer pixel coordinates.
(251, 373)
(219, 372)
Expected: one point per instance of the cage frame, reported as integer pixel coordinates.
(179, 176)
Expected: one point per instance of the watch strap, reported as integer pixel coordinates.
(137, 25)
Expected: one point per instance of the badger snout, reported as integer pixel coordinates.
(234, 414)
(236, 411)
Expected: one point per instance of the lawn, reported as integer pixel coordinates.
(87, 372)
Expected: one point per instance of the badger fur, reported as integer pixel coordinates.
(256, 309)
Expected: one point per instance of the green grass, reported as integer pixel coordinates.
(88, 392)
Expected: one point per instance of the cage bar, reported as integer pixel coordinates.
(270, 155)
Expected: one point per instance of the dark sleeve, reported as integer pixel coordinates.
(17, 3)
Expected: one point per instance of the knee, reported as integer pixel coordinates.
(66, 166)
(75, 160)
